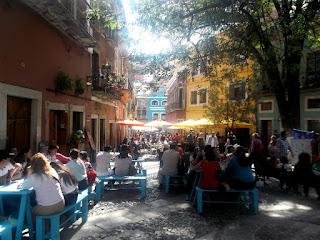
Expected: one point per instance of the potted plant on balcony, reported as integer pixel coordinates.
(77, 136)
(79, 87)
(63, 82)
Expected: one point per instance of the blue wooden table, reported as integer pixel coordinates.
(24, 209)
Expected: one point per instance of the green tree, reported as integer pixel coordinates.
(272, 32)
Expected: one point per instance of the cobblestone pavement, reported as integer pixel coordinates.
(282, 215)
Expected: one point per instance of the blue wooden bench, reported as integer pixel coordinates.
(246, 197)
(141, 178)
(5, 232)
(167, 182)
(55, 224)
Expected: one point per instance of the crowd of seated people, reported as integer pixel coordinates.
(55, 184)
(238, 167)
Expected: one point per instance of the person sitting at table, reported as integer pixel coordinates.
(170, 160)
(53, 154)
(24, 159)
(209, 166)
(13, 151)
(91, 173)
(195, 158)
(84, 156)
(68, 182)
(7, 170)
(45, 182)
(103, 162)
(238, 172)
(76, 166)
(123, 161)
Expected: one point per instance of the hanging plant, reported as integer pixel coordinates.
(79, 87)
(63, 82)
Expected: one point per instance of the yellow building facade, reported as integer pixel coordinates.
(231, 89)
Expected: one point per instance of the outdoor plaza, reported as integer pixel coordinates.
(119, 211)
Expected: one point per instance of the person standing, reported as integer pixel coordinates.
(190, 139)
(201, 140)
(213, 140)
(283, 145)
(176, 138)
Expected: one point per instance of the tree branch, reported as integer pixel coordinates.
(208, 7)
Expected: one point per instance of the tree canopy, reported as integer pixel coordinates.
(274, 33)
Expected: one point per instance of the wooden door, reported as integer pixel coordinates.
(102, 134)
(18, 122)
(58, 130)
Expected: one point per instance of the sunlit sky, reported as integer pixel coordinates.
(146, 42)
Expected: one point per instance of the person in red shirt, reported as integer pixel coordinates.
(91, 174)
(176, 137)
(179, 149)
(209, 167)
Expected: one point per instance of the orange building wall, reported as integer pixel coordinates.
(33, 61)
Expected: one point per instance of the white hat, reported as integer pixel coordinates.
(88, 165)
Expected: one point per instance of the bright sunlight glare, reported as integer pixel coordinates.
(145, 42)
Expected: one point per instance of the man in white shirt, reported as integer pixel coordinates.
(213, 140)
(103, 162)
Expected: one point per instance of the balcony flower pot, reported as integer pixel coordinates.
(77, 136)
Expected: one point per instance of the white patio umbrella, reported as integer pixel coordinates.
(158, 123)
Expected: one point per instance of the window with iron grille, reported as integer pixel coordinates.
(313, 103)
(313, 68)
(266, 106)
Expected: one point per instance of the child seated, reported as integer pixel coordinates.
(284, 164)
(92, 175)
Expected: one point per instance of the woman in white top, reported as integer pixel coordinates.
(68, 181)
(45, 182)
(123, 161)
